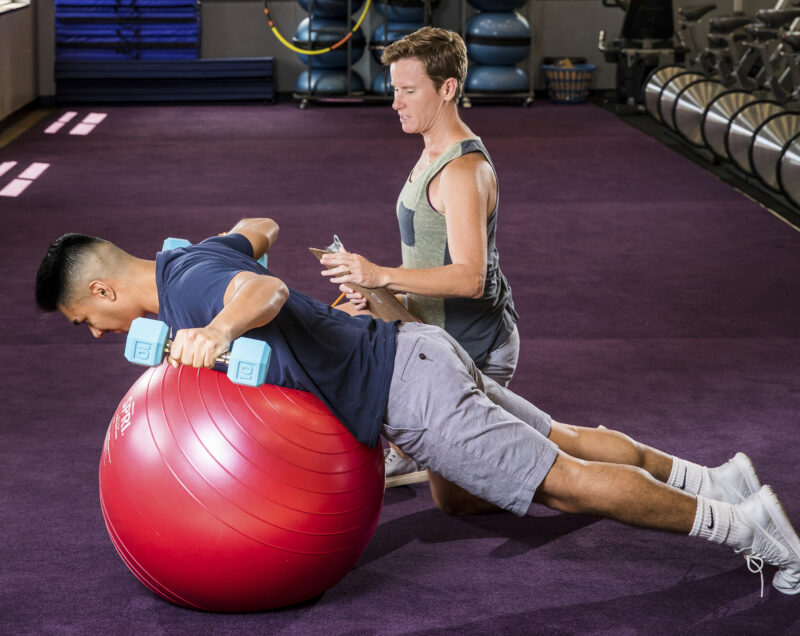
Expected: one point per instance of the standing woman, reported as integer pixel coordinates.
(447, 212)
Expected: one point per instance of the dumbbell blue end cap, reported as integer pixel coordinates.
(173, 243)
(146, 341)
(249, 361)
(263, 261)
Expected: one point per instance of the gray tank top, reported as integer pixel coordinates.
(478, 324)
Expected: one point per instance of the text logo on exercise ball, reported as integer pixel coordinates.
(123, 417)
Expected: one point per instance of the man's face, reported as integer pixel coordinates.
(103, 312)
(415, 99)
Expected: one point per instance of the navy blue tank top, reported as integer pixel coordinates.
(347, 362)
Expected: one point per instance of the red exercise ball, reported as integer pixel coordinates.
(232, 498)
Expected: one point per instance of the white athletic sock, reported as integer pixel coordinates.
(719, 522)
(708, 487)
(696, 479)
(686, 475)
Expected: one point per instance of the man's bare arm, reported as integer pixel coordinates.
(262, 234)
(251, 300)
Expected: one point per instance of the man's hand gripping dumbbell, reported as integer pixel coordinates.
(148, 343)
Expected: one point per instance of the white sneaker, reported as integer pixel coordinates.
(400, 470)
(774, 539)
(735, 480)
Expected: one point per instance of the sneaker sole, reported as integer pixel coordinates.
(749, 473)
(417, 477)
(785, 583)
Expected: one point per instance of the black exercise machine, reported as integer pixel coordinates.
(647, 41)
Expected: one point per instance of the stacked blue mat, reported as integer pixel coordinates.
(127, 30)
(146, 50)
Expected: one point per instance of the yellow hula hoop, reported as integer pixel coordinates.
(296, 49)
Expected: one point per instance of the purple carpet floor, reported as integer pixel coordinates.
(654, 299)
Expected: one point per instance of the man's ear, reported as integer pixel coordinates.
(101, 291)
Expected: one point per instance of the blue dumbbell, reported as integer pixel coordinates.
(172, 243)
(148, 343)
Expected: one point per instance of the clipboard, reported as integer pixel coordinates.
(380, 301)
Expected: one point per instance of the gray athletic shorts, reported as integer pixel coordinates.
(463, 425)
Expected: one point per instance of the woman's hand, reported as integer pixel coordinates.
(352, 268)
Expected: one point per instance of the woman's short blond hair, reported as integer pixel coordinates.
(443, 54)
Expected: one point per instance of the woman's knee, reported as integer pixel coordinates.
(453, 500)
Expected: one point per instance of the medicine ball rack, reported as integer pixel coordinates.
(308, 94)
(526, 97)
(353, 89)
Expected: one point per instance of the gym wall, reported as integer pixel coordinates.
(17, 60)
(237, 28)
(234, 28)
(27, 53)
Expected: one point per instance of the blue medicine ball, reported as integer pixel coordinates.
(403, 10)
(325, 32)
(382, 84)
(386, 33)
(330, 8)
(497, 5)
(328, 82)
(498, 38)
(496, 79)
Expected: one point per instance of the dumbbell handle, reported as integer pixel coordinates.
(225, 358)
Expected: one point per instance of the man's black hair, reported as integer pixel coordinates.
(52, 279)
